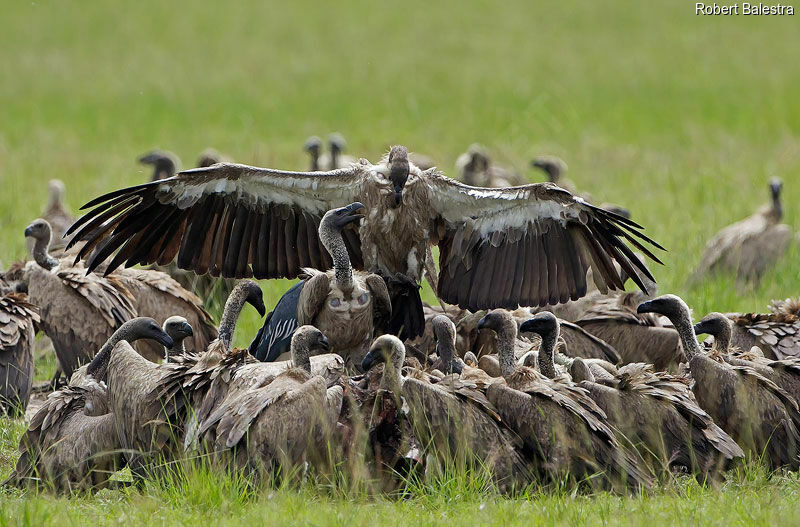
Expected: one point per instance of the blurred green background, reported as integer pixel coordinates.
(681, 118)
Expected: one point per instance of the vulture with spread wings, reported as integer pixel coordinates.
(530, 245)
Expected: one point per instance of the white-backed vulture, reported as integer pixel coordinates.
(453, 420)
(17, 340)
(155, 405)
(555, 168)
(209, 157)
(558, 421)
(760, 416)
(165, 164)
(655, 412)
(79, 311)
(313, 146)
(749, 247)
(528, 245)
(776, 334)
(57, 215)
(476, 169)
(785, 373)
(346, 306)
(277, 423)
(71, 442)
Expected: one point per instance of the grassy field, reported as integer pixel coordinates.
(680, 118)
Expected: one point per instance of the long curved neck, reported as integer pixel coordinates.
(314, 160)
(334, 158)
(683, 325)
(230, 314)
(41, 255)
(446, 350)
(505, 350)
(546, 352)
(56, 198)
(97, 368)
(332, 240)
(777, 207)
(722, 339)
(300, 357)
(391, 379)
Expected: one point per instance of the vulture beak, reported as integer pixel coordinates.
(150, 158)
(351, 214)
(482, 323)
(163, 339)
(532, 325)
(456, 367)
(325, 344)
(646, 307)
(29, 231)
(374, 356)
(704, 326)
(187, 330)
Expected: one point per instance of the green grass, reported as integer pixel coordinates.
(678, 117)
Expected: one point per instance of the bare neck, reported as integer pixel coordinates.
(97, 368)
(233, 308)
(392, 379)
(41, 255)
(334, 243)
(505, 348)
(546, 352)
(683, 325)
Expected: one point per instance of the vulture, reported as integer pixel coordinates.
(209, 157)
(153, 403)
(313, 146)
(785, 373)
(343, 304)
(276, 423)
(749, 247)
(57, 215)
(17, 320)
(452, 417)
(529, 245)
(555, 168)
(776, 334)
(71, 442)
(79, 311)
(165, 164)
(655, 411)
(557, 419)
(760, 416)
(477, 170)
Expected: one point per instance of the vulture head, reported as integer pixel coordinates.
(338, 219)
(56, 191)
(544, 324)
(444, 331)
(209, 157)
(147, 328)
(398, 172)
(39, 230)
(306, 342)
(178, 329)
(255, 297)
(501, 322)
(671, 306)
(552, 166)
(313, 146)
(336, 143)
(386, 348)
(165, 164)
(718, 326)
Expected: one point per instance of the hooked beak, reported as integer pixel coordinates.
(325, 344)
(646, 307)
(370, 359)
(149, 158)
(186, 328)
(701, 328)
(28, 231)
(164, 339)
(482, 323)
(355, 212)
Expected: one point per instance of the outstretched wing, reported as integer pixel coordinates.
(530, 245)
(231, 220)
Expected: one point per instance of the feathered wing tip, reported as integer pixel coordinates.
(408, 318)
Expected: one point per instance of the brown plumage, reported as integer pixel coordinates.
(557, 419)
(776, 334)
(785, 373)
(347, 306)
(71, 442)
(276, 423)
(749, 247)
(79, 312)
(760, 416)
(17, 319)
(655, 412)
(157, 407)
(453, 420)
(498, 247)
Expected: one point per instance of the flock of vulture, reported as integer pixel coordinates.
(585, 382)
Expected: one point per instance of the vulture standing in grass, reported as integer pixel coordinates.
(749, 247)
(279, 422)
(559, 422)
(760, 416)
(17, 334)
(529, 245)
(152, 402)
(71, 442)
(453, 418)
(79, 311)
(655, 411)
(785, 373)
(345, 305)
(57, 215)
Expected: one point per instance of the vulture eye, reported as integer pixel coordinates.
(363, 299)
(335, 302)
